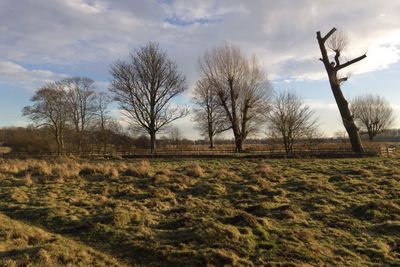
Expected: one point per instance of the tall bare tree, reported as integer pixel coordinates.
(241, 87)
(49, 109)
(80, 99)
(144, 88)
(290, 120)
(372, 113)
(336, 42)
(103, 119)
(208, 114)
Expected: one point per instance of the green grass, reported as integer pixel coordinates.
(343, 212)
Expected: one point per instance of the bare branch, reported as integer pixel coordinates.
(290, 120)
(348, 63)
(337, 41)
(327, 35)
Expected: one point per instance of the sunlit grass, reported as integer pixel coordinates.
(343, 212)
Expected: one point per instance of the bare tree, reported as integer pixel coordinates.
(80, 99)
(175, 136)
(49, 109)
(372, 113)
(341, 135)
(336, 42)
(208, 114)
(241, 87)
(102, 100)
(144, 88)
(290, 120)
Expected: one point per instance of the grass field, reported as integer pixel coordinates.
(67, 212)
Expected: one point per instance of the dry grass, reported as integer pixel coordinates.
(194, 169)
(141, 169)
(209, 212)
(23, 245)
(5, 150)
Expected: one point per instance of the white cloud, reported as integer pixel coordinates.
(13, 73)
(281, 33)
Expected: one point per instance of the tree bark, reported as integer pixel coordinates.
(239, 144)
(152, 142)
(211, 138)
(331, 69)
(347, 118)
(58, 143)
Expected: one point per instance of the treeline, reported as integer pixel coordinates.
(232, 94)
(40, 140)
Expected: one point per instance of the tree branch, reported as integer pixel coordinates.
(337, 55)
(328, 34)
(342, 79)
(348, 63)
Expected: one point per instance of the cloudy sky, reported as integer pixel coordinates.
(44, 40)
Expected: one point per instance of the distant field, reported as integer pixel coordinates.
(66, 212)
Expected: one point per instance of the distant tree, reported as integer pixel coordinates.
(290, 120)
(175, 136)
(49, 109)
(208, 114)
(341, 135)
(337, 42)
(372, 113)
(241, 87)
(81, 105)
(104, 122)
(144, 88)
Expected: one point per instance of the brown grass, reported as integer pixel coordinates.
(194, 169)
(208, 212)
(141, 169)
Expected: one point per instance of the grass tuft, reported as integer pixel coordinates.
(194, 169)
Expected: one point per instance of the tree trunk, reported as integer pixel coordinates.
(239, 144)
(347, 118)
(211, 138)
(58, 144)
(371, 136)
(152, 142)
(332, 68)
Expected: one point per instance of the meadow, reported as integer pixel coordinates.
(204, 212)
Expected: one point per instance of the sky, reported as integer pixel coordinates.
(47, 40)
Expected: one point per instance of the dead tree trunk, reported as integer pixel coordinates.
(332, 69)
